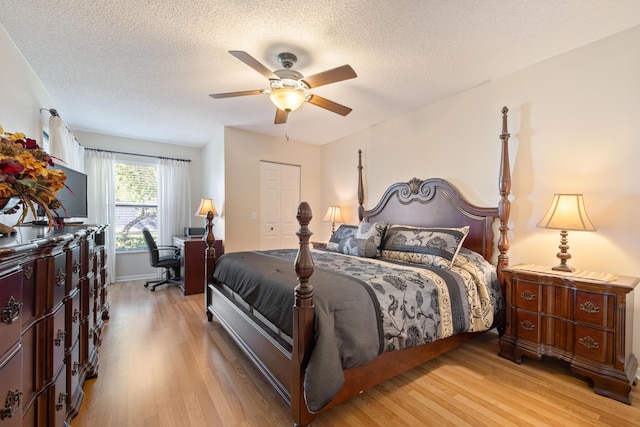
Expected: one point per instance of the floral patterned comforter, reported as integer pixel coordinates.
(365, 306)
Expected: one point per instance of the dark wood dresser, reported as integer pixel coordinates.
(53, 301)
(586, 322)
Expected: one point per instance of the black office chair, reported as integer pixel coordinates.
(168, 262)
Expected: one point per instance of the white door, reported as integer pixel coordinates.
(279, 199)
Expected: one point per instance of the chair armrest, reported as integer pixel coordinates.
(175, 249)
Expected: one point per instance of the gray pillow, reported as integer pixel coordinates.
(360, 247)
(344, 231)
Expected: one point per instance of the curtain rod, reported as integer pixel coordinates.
(135, 154)
(54, 113)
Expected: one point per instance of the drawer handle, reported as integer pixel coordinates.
(588, 342)
(61, 277)
(589, 307)
(76, 266)
(59, 338)
(76, 315)
(528, 325)
(62, 399)
(74, 370)
(11, 311)
(11, 404)
(528, 295)
(28, 272)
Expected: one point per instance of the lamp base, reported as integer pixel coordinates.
(564, 267)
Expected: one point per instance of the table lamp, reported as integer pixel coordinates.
(207, 207)
(567, 212)
(333, 215)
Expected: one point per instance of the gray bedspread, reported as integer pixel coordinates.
(362, 306)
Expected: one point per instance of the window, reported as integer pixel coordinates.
(136, 204)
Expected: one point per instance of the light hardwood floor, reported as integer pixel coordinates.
(163, 364)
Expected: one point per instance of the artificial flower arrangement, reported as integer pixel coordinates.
(25, 175)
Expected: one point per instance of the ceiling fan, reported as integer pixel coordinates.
(289, 88)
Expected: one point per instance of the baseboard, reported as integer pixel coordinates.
(136, 277)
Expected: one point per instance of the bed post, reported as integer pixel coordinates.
(360, 187)
(504, 207)
(303, 319)
(209, 262)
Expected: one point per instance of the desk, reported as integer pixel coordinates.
(192, 253)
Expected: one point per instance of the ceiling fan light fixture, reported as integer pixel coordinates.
(287, 98)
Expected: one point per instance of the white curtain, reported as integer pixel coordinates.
(63, 146)
(174, 199)
(100, 169)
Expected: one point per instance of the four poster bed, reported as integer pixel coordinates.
(413, 280)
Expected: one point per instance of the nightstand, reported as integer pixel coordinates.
(586, 322)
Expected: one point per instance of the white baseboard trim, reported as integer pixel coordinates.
(136, 277)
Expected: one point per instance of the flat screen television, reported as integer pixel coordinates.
(73, 197)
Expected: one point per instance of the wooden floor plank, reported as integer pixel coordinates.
(163, 364)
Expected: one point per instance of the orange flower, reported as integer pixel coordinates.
(24, 173)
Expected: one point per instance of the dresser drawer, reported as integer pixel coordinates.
(59, 279)
(73, 370)
(11, 397)
(528, 326)
(594, 309)
(59, 398)
(74, 316)
(11, 306)
(73, 268)
(528, 295)
(593, 344)
(58, 337)
(33, 300)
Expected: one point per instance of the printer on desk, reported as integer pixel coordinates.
(194, 231)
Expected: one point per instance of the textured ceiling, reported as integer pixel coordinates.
(144, 69)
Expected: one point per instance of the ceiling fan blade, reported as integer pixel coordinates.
(232, 94)
(253, 63)
(281, 117)
(330, 76)
(329, 105)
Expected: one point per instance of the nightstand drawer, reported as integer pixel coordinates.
(528, 296)
(593, 344)
(528, 326)
(594, 309)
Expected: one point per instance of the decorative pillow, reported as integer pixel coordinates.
(344, 231)
(360, 247)
(436, 246)
(372, 231)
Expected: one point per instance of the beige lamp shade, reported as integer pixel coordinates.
(567, 212)
(334, 214)
(287, 98)
(206, 205)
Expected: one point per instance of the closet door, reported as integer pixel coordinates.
(279, 199)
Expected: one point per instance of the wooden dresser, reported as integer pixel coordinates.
(588, 323)
(53, 301)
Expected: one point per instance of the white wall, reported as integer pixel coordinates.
(22, 97)
(575, 126)
(243, 152)
(213, 181)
